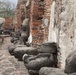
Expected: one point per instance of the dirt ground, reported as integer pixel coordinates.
(8, 64)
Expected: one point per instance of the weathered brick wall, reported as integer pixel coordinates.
(20, 13)
(18, 17)
(39, 14)
(36, 16)
(8, 22)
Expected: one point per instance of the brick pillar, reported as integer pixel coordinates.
(36, 17)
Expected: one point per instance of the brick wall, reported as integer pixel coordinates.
(20, 13)
(36, 16)
(8, 22)
(38, 13)
(18, 18)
